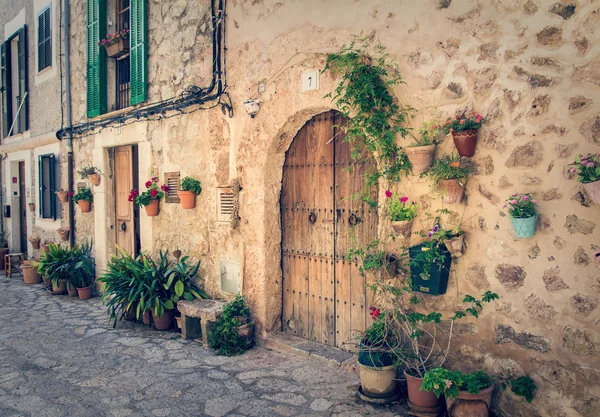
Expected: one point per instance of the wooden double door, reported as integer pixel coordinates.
(324, 295)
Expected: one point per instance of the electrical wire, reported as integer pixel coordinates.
(189, 101)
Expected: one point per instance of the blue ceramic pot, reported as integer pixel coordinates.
(525, 227)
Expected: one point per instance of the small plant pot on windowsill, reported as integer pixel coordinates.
(85, 206)
(30, 275)
(64, 234)
(524, 227)
(187, 199)
(95, 179)
(420, 157)
(85, 293)
(592, 189)
(163, 322)
(452, 190)
(31, 207)
(153, 208)
(465, 142)
(403, 228)
(117, 49)
(35, 243)
(467, 405)
(456, 246)
(63, 196)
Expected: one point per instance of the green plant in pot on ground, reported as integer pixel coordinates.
(402, 213)
(83, 198)
(233, 333)
(522, 210)
(189, 189)
(420, 152)
(62, 265)
(449, 173)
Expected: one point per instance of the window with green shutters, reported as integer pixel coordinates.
(14, 115)
(96, 57)
(138, 59)
(44, 39)
(47, 186)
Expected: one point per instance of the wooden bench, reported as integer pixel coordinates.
(197, 317)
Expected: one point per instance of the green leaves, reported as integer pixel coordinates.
(179, 288)
(223, 336)
(524, 386)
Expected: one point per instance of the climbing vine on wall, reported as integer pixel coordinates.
(375, 117)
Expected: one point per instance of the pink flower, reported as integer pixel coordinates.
(448, 383)
(513, 202)
(524, 197)
(404, 199)
(534, 201)
(515, 194)
(504, 206)
(388, 193)
(164, 187)
(573, 170)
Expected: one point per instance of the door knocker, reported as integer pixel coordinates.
(353, 220)
(312, 217)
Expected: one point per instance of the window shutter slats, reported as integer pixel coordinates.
(172, 181)
(40, 188)
(225, 202)
(52, 185)
(44, 39)
(138, 64)
(96, 57)
(22, 65)
(5, 90)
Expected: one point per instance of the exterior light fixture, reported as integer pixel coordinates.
(252, 107)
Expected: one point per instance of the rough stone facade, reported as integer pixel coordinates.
(529, 66)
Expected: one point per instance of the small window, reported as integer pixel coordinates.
(44, 39)
(172, 181)
(225, 204)
(47, 186)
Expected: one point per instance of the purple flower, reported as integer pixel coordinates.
(573, 170)
(429, 234)
(435, 228)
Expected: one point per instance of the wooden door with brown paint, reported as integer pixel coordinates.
(324, 296)
(124, 210)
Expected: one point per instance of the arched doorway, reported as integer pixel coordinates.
(324, 295)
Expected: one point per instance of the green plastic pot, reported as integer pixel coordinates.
(437, 282)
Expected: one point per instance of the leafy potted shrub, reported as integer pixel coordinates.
(464, 130)
(35, 241)
(588, 173)
(474, 389)
(67, 268)
(190, 188)
(523, 215)
(3, 247)
(401, 213)
(54, 265)
(84, 198)
(63, 196)
(233, 333)
(420, 153)
(150, 198)
(92, 173)
(30, 273)
(116, 44)
(450, 175)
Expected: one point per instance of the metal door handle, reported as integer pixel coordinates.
(312, 217)
(354, 219)
(123, 226)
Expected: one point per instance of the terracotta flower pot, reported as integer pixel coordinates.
(418, 397)
(163, 322)
(465, 142)
(152, 208)
(420, 157)
(117, 49)
(44, 247)
(470, 405)
(85, 293)
(456, 246)
(377, 382)
(60, 288)
(85, 206)
(95, 179)
(592, 189)
(403, 228)
(30, 275)
(147, 317)
(63, 196)
(35, 243)
(31, 207)
(452, 190)
(187, 199)
(71, 290)
(64, 234)
(47, 283)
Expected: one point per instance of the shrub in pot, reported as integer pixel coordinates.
(522, 213)
(464, 129)
(420, 153)
(450, 175)
(233, 333)
(83, 198)
(92, 173)
(149, 199)
(190, 188)
(466, 395)
(587, 168)
(401, 213)
(62, 265)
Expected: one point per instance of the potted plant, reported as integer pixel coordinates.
(233, 333)
(588, 173)
(464, 130)
(3, 247)
(430, 263)
(150, 198)
(522, 386)
(64, 234)
(190, 188)
(523, 215)
(63, 196)
(401, 213)
(35, 241)
(466, 395)
(116, 44)
(84, 198)
(31, 207)
(54, 265)
(455, 242)
(450, 175)
(420, 153)
(92, 173)
(30, 273)
(44, 246)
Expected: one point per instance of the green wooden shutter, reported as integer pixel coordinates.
(47, 186)
(52, 185)
(44, 39)
(40, 188)
(138, 61)
(22, 65)
(5, 89)
(96, 57)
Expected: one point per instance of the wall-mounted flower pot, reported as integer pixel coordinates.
(152, 209)
(44, 247)
(64, 234)
(35, 243)
(63, 196)
(95, 179)
(403, 228)
(30, 275)
(465, 142)
(420, 157)
(32, 207)
(456, 246)
(592, 189)
(524, 227)
(85, 206)
(468, 405)
(430, 278)
(85, 293)
(118, 48)
(163, 322)
(452, 190)
(187, 199)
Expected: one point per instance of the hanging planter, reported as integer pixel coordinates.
(44, 247)
(449, 174)
(464, 131)
(85, 206)
(465, 142)
(452, 191)
(190, 188)
(35, 242)
(32, 207)
(95, 179)
(64, 234)
(420, 157)
(116, 44)
(523, 215)
(587, 168)
(153, 208)
(63, 196)
(150, 198)
(592, 189)
(430, 267)
(90, 173)
(524, 227)
(456, 246)
(84, 198)
(401, 213)
(403, 228)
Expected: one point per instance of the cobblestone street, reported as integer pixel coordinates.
(59, 356)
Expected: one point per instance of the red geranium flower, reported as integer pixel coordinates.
(164, 187)
(404, 199)
(388, 193)
(153, 193)
(148, 184)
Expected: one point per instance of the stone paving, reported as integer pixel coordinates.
(59, 356)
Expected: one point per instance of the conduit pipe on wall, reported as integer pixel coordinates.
(69, 136)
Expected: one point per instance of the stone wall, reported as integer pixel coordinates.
(531, 67)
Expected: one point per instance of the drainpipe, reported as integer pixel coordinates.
(69, 141)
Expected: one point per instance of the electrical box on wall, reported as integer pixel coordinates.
(230, 277)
